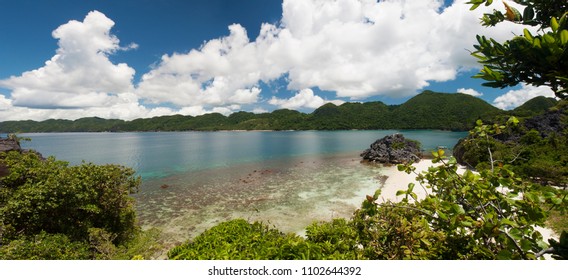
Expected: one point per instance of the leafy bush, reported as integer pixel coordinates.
(337, 240)
(240, 240)
(48, 195)
(44, 246)
(46, 200)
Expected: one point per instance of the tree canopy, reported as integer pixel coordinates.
(537, 59)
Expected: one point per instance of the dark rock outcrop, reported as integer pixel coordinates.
(9, 144)
(547, 123)
(393, 149)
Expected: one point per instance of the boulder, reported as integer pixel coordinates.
(9, 144)
(393, 149)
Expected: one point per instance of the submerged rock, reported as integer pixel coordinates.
(393, 149)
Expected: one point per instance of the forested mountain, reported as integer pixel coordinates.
(536, 106)
(428, 110)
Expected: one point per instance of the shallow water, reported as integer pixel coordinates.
(194, 180)
(289, 194)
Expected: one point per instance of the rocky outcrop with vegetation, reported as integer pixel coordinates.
(9, 144)
(535, 148)
(393, 149)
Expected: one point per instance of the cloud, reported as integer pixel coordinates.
(470, 91)
(515, 98)
(303, 99)
(222, 72)
(5, 103)
(355, 48)
(80, 74)
(125, 107)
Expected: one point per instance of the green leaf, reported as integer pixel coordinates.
(400, 192)
(509, 223)
(414, 196)
(564, 37)
(466, 223)
(548, 38)
(516, 233)
(377, 194)
(554, 24)
(528, 13)
(528, 35)
(474, 7)
(458, 209)
(526, 244)
(410, 187)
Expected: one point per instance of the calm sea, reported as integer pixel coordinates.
(194, 180)
(160, 154)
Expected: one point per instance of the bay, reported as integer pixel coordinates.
(194, 180)
(160, 154)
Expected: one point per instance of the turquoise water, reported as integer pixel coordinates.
(194, 180)
(161, 154)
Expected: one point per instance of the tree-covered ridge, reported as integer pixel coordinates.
(536, 149)
(428, 110)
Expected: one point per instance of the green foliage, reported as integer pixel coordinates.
(48, 195)
(240, 240)
(440, 111)
(44, 246)
(536, 59)
(540, 156)
(144, 245)
(536, 106)
(337, 240)
(45, 203)
(428, 110)
(390, 231)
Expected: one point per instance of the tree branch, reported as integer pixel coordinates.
(550, 250)
(514, 242)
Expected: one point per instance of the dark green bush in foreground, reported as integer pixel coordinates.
(50, 210)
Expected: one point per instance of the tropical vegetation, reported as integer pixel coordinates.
(50, 210)
(517, 181)
(428, 110)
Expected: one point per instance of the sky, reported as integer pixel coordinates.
(128, 59)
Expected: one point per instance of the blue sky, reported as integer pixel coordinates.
(140, 58)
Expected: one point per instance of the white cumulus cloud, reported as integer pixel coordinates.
(303, 99)
(470, 91)
(80, 74)
(515, 98)
(222, 72)
(355, 48)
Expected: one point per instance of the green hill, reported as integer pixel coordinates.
(428, 110)
(536, 106)
(442, 111)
